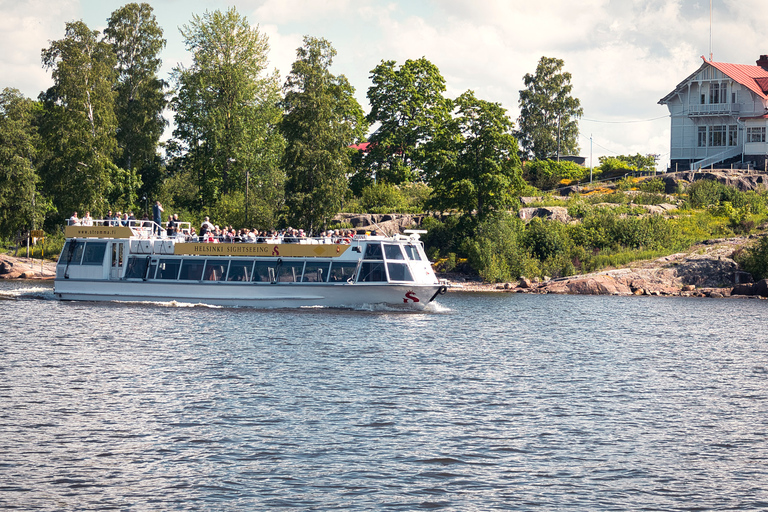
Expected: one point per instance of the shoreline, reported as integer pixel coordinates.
(704, 270)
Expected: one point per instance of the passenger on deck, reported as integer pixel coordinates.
(157, 216)
(170, 229)
(205, 229)
(73, 220)
(87, 220)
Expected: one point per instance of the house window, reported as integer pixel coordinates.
(733, 135)
(714, 93)
(702, 136)
(756, 134)
(703, 99)
(717, 136)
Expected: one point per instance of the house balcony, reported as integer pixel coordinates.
(714, 109)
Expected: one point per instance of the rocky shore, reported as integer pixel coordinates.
(705, 270)
(12, 267)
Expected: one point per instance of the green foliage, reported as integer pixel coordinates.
(409, 106)
(383, 198)
(78, 124)
(548, 112)
(547, 174)
(651, 186)
(473, 164)
(137, 41)
(322, 119)
(226, 112)
(755, 259)
(18, 141)
(497, 250)
(622, 164)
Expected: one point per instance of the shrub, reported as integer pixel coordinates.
(496, 251)
(653, 186)
(547, 174)
(755, 259)
(383, 198)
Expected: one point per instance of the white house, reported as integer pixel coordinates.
(719, 116)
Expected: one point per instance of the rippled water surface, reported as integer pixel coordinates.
(487, 402)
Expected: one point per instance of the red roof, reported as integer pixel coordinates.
(754, 78)
(363, 146)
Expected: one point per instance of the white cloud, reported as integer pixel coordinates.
(623, 56)
(25, 29)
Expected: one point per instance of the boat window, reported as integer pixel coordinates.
(413, 252)
(240, 270)
(94, 253)
(393, 252)
(215, 270)
(371, 271)
(399, 272)
(137, 268)
(264, 271)
(192, 269)
(315, 272)
(290, 272)
(74, 249)
(373, 252)
(168, 269)
(342, 271)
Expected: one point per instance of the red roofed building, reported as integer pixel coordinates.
(719, 116)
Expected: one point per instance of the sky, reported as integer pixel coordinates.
(623, 55)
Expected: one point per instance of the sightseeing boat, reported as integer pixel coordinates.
(104, 262)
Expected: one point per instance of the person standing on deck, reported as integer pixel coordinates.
(157, 213)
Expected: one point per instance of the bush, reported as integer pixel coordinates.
(496, 251)
(382, 198)
(755, 259)
(652, 186)
(547, 174)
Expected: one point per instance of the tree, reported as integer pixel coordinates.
(18, 178)
(548, 114)
(409, 105)
(137, 41)
(474, 163)
(322, 119)
(78, 125)
(227, 113)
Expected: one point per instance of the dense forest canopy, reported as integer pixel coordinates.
(252, 150)
(246, 148)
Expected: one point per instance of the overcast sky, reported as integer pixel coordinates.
(623, 55)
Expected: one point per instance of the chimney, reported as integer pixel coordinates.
(763, 62)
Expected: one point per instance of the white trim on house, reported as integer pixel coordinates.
(717, 114)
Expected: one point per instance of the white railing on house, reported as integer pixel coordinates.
(714, 109)
(719, 157)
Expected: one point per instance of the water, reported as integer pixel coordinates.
(487, 402)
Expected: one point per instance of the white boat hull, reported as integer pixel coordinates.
(279, 295)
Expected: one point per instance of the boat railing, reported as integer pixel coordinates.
(140, 228)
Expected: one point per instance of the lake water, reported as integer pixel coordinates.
(487, 402)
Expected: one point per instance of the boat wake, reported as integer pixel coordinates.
(28, 293)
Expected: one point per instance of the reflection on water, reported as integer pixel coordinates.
(492, 401)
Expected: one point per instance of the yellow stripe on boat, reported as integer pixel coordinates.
(267, 250)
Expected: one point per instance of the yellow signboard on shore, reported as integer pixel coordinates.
(37, 233)
(264, 250)
(97, 232)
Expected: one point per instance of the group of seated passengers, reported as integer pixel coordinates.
(228, 234)
(116, 219)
